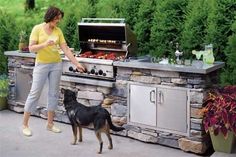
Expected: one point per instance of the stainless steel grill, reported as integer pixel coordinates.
(102, 41)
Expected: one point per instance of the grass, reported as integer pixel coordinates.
(16, 8)
(13, 8)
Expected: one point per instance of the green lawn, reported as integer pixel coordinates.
(12, 7)
(16, 8)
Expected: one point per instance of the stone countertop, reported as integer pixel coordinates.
(18, 53)
(194, 68)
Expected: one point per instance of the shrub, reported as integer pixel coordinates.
(219, 114)
(194, 29)
(3, 85)
(8, 38)
(130, 12)
(220, 18)
(143, 25)
(230, 69)
(166, 27)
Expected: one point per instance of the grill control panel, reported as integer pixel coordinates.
(92, 70)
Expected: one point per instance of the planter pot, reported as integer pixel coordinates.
(223, 145)
(22, 46)
(3, 103)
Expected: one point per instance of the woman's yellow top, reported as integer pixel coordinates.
(49, 54)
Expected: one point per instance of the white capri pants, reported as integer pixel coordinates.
(41, 73)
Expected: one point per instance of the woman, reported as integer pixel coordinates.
(45, 39)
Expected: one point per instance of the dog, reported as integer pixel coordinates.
(81, 115)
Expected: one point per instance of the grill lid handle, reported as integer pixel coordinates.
(127, 51)
(103, 20)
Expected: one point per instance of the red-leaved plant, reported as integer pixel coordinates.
(219, 113)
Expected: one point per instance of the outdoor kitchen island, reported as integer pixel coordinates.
(164, 100)
(156, 103)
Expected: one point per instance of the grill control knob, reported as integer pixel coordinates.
(96, 73)
(92, 71)
(104, 74)
(71, 69)
(100, 72)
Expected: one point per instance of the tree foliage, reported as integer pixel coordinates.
(228, 76)
(143, 25)
(130, 12)
(220, 18)
(109, 8)
(166, 27)
(194, 30)
(8, 40)
(29, 5)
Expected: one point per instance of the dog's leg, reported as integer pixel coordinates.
(107, 132)
(80, 134)
(98, 134)
(74, 129)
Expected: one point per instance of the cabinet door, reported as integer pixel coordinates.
(172, 109)
(142, 105)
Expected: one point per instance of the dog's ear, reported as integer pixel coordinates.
(63, 91)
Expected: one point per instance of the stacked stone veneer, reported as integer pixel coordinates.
(115, 101)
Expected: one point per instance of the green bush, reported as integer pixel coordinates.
(4, 85)
(228, 76)
(167, 26)
(8, 38)
(109, 8)
(143, 26)
(220, 18)
(130, 11)
(194, 30)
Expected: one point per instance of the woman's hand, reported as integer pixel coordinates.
(80, 68)
(49, 43)
(34, 47)
(71, 57)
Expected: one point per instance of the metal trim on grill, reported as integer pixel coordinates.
(93, 60)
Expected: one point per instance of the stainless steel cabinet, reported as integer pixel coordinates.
(172, 110)
(160, 107)
(23, 85)
(142, 105)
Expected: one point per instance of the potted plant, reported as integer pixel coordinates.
(219, 118)
(4, 86)
(23, 46)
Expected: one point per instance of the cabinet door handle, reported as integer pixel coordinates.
(152, 93)
(160, 97)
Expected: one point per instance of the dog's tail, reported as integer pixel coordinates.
(112, 126)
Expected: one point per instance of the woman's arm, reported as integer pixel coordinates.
(34, 47)
(71, 57)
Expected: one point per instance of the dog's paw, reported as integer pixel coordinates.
(110, 147)
(73, 143)
(99, 152)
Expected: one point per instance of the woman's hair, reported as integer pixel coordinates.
(51, 13)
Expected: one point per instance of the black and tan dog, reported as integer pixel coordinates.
(80, 115)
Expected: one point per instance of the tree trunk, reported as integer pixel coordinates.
(29, 5)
